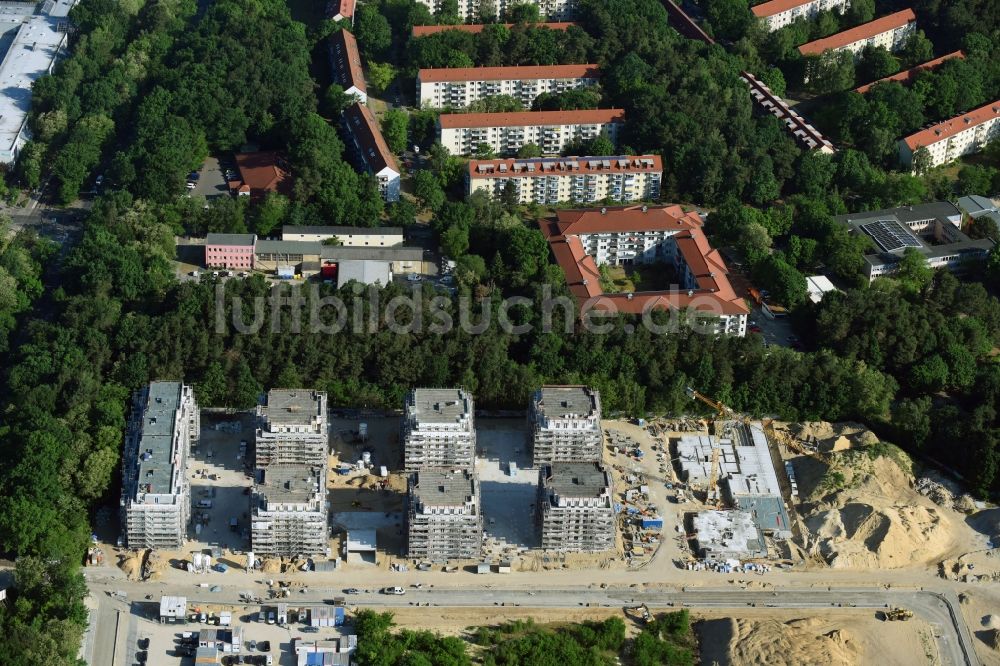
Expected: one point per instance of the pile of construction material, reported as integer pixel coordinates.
(942, 496)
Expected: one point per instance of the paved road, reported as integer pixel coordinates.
(940, 610)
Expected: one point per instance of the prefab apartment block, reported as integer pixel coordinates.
(156, 497)
(575, 513)
(444, 521)
(438, 429)
(566, 424)
(289, 511)
(292, 428)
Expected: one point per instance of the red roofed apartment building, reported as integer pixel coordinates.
(340, 10)
(345, 62)
(458, 87)
(778, 13)
(907, 76)
(505, 133)
(581, 240)
(371, 150)
(946, 141)
(476, 28)
(261, 173)
(889, 32)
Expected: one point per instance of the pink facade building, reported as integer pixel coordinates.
(231, 251)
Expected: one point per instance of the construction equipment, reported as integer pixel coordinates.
(720, 408)
(894, 614)
(639, 613)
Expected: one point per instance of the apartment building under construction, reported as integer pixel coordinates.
(156, 496)
(575, 513)
(289, 511)
(566, 424)
(438, 429)
(444, 520)
(292, 428)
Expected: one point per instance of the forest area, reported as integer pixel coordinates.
(152, 88)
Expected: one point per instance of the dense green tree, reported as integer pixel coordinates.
(394, 129)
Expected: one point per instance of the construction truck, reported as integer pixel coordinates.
(894, 614)
(639, 613)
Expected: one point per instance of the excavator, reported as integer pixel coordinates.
(638, 613)
(894, 614)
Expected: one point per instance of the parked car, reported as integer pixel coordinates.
(271, 617)
(393, 590)
(264, 646)
(310, 630)
(352, 590)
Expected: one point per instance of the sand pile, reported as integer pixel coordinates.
(831, 436)
(270, 565)
(794, 643)
(862, 512)
(131, 564)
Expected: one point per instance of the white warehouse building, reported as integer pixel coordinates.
(506, 133)
(458, 87)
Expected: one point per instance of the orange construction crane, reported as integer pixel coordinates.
(714, 404)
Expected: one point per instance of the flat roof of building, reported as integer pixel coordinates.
(293, 406)
(156, 464)
(547, 166)
(347, 61)
(433, 487)
(432, 405)
(583, 480)
(566, 401)
(456, 74)
(942, 210)
(475, 28)
(729, 532)
(345, 253)
(289, 247)
(531, 118)
(368, 135)
(858, 33)
(949, 128)
(908, 75)
(37, 44)
(290, 230)
(365, 271)
(230, 239)
(289, 484)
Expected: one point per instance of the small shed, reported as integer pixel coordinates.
(504, 567)
(173, 610)
(483, 568)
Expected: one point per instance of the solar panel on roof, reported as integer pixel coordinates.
(890, 235)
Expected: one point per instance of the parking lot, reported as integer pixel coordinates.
(211, 179)
(774, 331)
(508, 500)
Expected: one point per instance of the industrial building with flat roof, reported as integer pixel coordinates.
(444, 520)
(506, 133)
(460, 87)
(575, 513)
(371, 151)
(777, 14)
(890, 32)
(932, 229)
(289, 511)
(566, 425)
(156, 495)
(950, 139)
(292, 428)
(582, 239)
(438, 429)
(724, 535)
(541, 180)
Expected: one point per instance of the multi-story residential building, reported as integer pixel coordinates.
(345, 63)
(348, 236)
(472, 10)
(292, 428)
(583, 239)
(476, 28)
(621, 179)
(230, 251)
(801, 130)
(444, 521)
(890, 32)
(459, 87)
(777, 14)
(566, 425)
(156, 496)
(907, 76)
(506, 133)
(438, 429)
(933, 230)
(948, 140)
(575, 513)
(341, 10)
(371, 150)
(289, 511)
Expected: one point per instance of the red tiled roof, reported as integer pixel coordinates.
(263, 172)
(714, 294)
(953, 126)
(626, 218)
(907, 75)
(857, 33)
(367, 133)
(526, 118)
(773, 7)
(443, 75)
(342, 8)
(347, 61)
(545, 166)
(475, 28)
